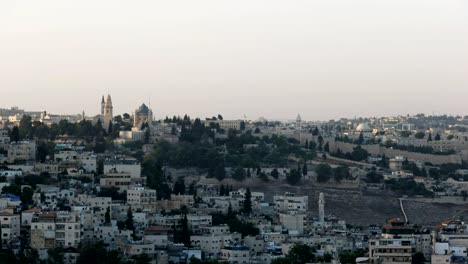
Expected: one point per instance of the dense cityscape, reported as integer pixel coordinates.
(131, 188)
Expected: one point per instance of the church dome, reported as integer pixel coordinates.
(363, 127)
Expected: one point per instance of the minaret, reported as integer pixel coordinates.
(102, 106)
(321, 204)
(108, 116)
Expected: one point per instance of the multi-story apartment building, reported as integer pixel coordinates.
(141, 196)
(86, 160)
(4, 139)
(54, 229)
(391, 250)
(119, 180)
(22, 151)
(235, 254)
(196, 222)
(10, 224)
(211, 245)
(43, 231)
(289, 203)
(293, 222)
(67, 229)
(93, 201)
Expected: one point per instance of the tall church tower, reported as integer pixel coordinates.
(321, 204)
(108, 113)
(298, 122)
(102, 106)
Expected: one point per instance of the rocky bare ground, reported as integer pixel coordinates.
(355, 206)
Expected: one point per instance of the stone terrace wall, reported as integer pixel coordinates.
(376, 149)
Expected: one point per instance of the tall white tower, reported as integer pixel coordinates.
(108, 113)
(321, 204)
(298, 122)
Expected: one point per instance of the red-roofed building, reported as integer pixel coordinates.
(396, 228)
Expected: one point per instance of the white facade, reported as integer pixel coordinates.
(211, 245)
(225, 124)
(140, 195)
(10, 226)
(238, 254)
(22, 150)
(290, 203)
(195, 222)
(86, 159)
(130, 167)
(293, 222)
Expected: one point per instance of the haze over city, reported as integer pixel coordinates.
(323, 59)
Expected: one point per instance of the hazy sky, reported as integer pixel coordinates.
(321, 58)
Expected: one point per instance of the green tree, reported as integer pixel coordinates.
(98, 254)
(141, 259)
(275, 173)
(55, 255)
(15, 136)
(340, 173)
(192, 190)
(107, 218)
(420, 135)
(147, 135)
(405, 134)
(374, 177)
(129, 221)
(418, 258)
(247, 205)
(179, 186)
(220, 172)
(326, 148)
(25, 127)
(359, 154)
(264, 177)
(429, 138)
(315, 132)
(283, 260)
(324, 172)
(464, 195)
(239, 174)
(293, 177)
(304, 169)
(301, 253)
(155, 178)
(242, 125)
(437, 137)
(361, 139)
(27, 196)
(185, 232)
(350, 257)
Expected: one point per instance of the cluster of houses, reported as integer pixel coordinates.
(137, 222)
